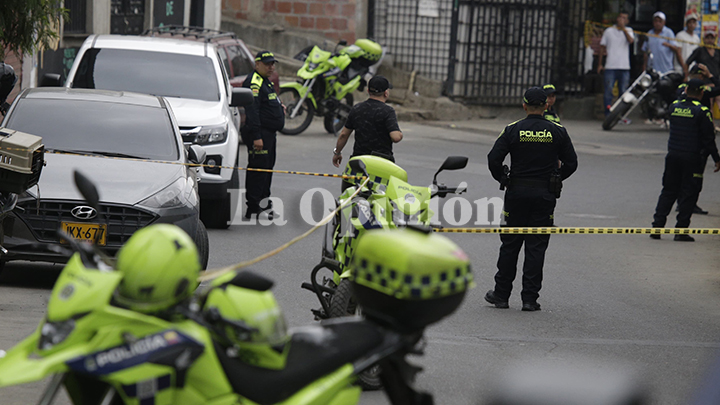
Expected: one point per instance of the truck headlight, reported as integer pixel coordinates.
(207, 135)
(171, 196)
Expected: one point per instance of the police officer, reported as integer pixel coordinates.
(263, 119)
(550, 113)
(536, 147)
(692, 135)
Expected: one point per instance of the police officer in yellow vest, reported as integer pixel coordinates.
(535, 146)
(263, 119)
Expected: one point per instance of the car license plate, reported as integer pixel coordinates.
(90, 232)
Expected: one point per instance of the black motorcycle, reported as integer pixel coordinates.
(654, 92)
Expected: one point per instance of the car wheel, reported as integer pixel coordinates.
(215, 213)
(203, 244)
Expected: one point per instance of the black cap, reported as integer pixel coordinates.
(549, 89)
(534, 96)
(378, 84)
(695, 84)
(265, 57)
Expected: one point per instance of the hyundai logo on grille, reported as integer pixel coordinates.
(84, 212)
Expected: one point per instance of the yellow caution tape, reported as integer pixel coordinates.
(213, 274)
(250, 169)
(586, 231)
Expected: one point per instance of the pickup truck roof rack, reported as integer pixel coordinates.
(185, 31)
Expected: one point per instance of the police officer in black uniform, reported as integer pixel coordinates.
(263, 119)
(541, 156)
(692, 135)
(550, 113)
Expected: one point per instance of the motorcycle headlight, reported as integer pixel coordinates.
(54, 333)
(171, 196)
(208, 134)
(645, 81)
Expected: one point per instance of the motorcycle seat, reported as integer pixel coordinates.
(314, 352)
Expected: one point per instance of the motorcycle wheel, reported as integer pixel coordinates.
(335, 120)
(342, 304)
(612, 119)
(294, 126)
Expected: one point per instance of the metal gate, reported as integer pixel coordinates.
(486, 51)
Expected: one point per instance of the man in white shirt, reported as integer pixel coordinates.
(687, 40)
(615, 43)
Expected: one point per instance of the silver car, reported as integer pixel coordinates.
(129, 145)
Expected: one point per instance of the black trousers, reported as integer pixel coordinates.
(257, 184)
(524, 206)
(682, 181)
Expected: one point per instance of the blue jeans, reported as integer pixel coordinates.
(611, 76)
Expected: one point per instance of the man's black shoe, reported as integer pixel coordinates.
(530, 306)
(654, 236)
(491, 298)
(699, 211)
(684, 238)
(249, 213)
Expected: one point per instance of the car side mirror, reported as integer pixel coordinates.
(451, 163)
(196, 154)
(241, 97)
(51, 80)
(87, 189)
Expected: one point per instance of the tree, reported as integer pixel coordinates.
(26, 25)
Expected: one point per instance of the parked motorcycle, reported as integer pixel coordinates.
(653, 91)
(387, 202)
(137, 335)
(326, 83)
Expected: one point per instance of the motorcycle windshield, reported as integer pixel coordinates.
(79, 290)
(407, 198)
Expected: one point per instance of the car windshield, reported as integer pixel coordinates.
(112, 129)
(157, 73)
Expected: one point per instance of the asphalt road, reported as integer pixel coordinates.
(611, 303)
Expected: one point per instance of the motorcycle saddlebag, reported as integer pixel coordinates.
(407, 279)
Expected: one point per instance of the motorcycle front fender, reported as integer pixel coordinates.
(301, 91)
(17, 367)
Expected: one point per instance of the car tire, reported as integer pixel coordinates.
(215, 213)
(203, 244)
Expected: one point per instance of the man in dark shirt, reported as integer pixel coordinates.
(263, 119)
(692, 135)
(541, 155)
(374, 122)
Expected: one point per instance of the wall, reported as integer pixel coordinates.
(335, 19)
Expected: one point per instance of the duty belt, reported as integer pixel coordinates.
(529, 182)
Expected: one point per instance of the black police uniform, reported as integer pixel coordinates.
(262, 120)
(535, 145)
(551, 115)
(692, 135)
(708, 96)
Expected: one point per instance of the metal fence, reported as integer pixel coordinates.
(486, 51)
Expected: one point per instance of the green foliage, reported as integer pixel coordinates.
(25, 25)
